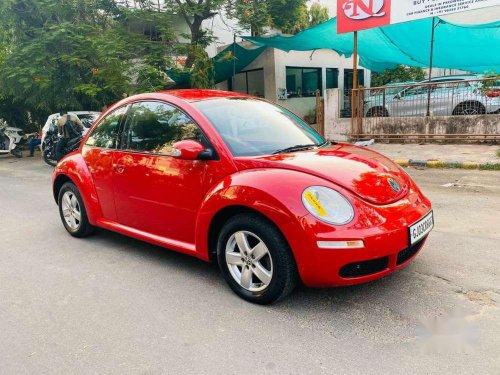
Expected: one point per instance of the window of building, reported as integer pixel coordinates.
(249, 82)
(153, 127)
(332, 78)
(303, 82)
(105, 134)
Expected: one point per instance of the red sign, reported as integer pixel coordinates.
(355, 15)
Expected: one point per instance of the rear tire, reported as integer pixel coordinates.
(377, 112)
(469, 109)
(263, 269)
(72, 211)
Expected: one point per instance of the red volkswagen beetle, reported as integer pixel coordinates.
(231, 178)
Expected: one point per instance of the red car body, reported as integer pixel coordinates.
(179, 204)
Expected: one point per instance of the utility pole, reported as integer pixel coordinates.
(430, 66)
(234, 63)
(354, 95)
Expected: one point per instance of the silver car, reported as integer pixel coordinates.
(449, 95)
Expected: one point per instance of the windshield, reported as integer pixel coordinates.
(252, 127)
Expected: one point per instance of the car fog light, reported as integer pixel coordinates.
(355, 244)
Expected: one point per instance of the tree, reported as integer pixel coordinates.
(318, 14)
(194, 13)
(77, 54)
(289, 16)
(399, 74)
(252, 15)
(203, 72)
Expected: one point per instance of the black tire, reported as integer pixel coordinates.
(17, 153)
(84, 227)
(469, 108)
(377, 112)
(284, 275)
(48, 160)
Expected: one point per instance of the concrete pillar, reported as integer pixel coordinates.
(335, 127)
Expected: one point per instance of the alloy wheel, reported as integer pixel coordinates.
(71, 210)
(249, 261)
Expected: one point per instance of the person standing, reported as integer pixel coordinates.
(69, 127)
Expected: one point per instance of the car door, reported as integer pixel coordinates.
(410, 102)
(98, 153)
(155, 192)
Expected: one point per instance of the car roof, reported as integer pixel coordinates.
(456, 76)
(193, 95)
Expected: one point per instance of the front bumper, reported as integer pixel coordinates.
(384, 231)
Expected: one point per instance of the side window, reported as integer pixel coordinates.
(418, 90)
(105, 134)
(155, 126)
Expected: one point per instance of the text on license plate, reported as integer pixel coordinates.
(421, 228)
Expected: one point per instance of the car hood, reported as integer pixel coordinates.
(364, 172)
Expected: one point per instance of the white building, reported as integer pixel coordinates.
(292, 78)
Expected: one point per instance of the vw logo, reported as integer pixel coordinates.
(363, 9)
(394, 185)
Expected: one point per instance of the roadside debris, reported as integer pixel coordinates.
(364, 143)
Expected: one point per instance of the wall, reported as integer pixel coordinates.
(299, 106)
(309, 59)
(443, 126)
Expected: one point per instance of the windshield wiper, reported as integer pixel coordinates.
(296, 148)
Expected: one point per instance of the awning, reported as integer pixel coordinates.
(474, 48)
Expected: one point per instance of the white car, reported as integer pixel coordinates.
(450, 95)
(86, 117)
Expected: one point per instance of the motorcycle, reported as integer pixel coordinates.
(50, 141)
(11, 141)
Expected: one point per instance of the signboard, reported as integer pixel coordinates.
(353, 15)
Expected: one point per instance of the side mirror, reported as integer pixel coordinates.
(189, 150)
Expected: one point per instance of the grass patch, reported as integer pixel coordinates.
(498, 153)
(490, 167)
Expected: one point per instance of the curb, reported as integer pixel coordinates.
(446, 164)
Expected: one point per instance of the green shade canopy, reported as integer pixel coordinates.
(224, 63)
(474, 48)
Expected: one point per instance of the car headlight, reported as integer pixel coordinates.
(328, 205)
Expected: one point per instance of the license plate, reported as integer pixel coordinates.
(420, 229)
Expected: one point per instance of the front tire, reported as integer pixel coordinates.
(72, 211)
(47, 157)
(255, 259)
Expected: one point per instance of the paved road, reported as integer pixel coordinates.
(113, 305)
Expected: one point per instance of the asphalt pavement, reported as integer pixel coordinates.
(113, 305)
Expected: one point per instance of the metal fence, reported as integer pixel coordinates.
(424, 109)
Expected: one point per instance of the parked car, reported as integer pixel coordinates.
(231, 178)
(450, 95)
(86, 117)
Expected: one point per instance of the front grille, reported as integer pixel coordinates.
(364, 268)
(409, 252)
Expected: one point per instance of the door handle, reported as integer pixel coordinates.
(118, 168)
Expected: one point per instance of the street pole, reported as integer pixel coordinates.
(234, 62)
(430, 67)
(354, 101)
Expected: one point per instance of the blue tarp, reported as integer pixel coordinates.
(474, 48)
